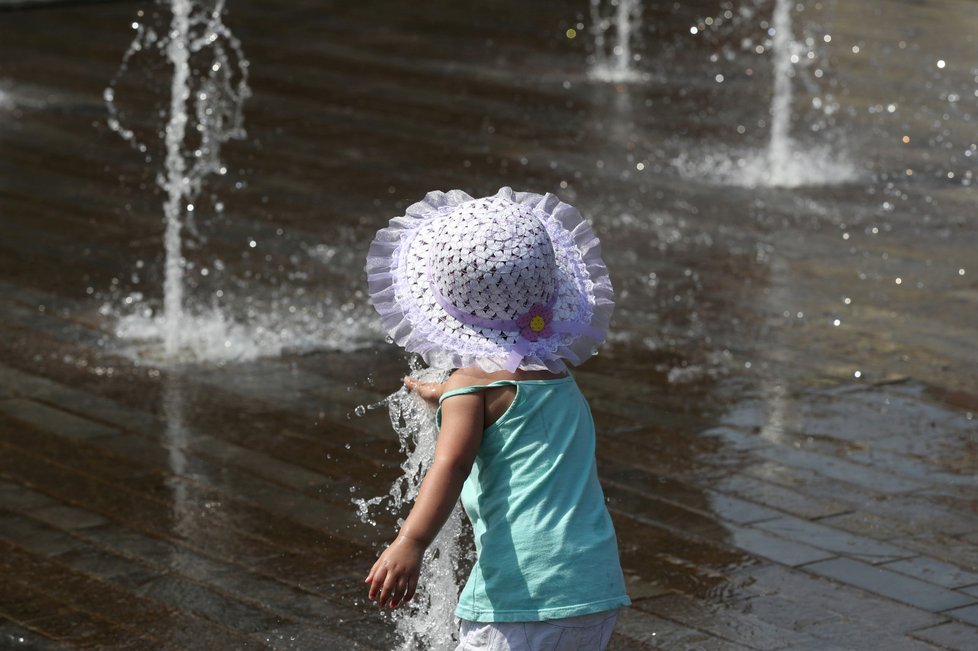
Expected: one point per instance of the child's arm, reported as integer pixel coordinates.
(394, 576)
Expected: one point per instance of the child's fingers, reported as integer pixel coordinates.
(376, 582)
(412, 586)
(397, 593)
(385, 594)
(373, 570)
(426, 390)
(415, 385)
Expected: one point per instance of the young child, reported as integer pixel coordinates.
(505, 289)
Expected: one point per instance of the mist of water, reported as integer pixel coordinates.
(427, 622)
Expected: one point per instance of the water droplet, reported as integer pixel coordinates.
(360, 410)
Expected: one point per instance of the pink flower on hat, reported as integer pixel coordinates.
(535, 324)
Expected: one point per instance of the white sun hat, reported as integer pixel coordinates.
(514, 280)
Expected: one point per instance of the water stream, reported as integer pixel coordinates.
(207, 91)
(783, 162)
(614, 61)
(427, 622)
(780, 153)
(203, 110)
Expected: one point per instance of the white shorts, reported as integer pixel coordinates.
(583, 633)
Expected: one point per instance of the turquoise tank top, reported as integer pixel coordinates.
(545, 544)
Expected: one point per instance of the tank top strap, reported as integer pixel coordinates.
(475, 388)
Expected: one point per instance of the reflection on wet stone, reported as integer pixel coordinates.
(786, 409)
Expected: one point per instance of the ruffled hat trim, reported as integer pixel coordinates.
(396, 299)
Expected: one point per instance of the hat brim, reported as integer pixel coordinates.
(423, 331)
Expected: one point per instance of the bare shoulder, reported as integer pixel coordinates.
(467, 377)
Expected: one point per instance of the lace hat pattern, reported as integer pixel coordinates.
(514, 280)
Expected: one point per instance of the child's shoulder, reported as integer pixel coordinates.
(474, 376)
(468, 377)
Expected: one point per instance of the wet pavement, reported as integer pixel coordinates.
(786, 410)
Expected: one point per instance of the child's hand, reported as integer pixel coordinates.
(428, 391)
(394, 577)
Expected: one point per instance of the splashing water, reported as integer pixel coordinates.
(209, 334)
(205, 111)
(782, 164)
(427, 622)
(616, 64)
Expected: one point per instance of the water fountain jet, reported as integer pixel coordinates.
(782, 163)
(204, 112)
(780, 151)
(617, 64)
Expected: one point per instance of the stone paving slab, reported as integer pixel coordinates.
(930, 521)
(834, 540)
(968, 614)
(953, 635)
(840, 470)
(112, 602)
(855, 636)
(54, 420)
(873, 612)
(165, 587)
(921, 537)
(735, 627)
(780, 498)
(934, 571)
(890, 584)
(667, 635)
(775, 548)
